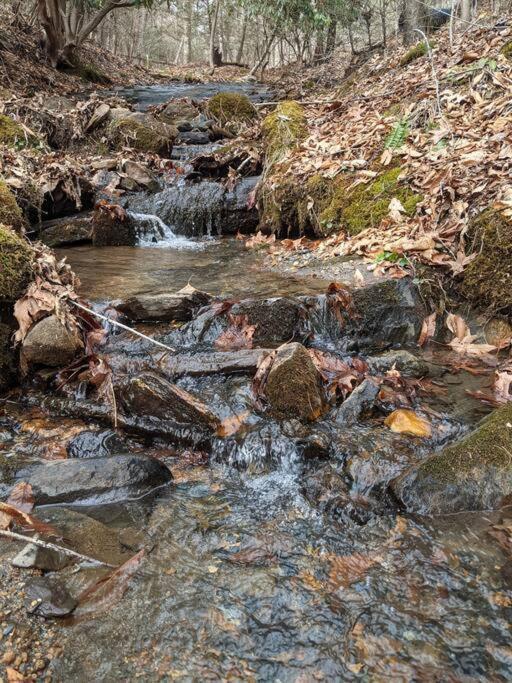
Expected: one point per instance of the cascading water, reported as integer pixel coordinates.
(153, 232)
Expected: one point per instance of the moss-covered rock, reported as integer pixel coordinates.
(473, 474)
(10, 213)
(417, 51)
(15, 265)
(144, 133)
(231, 107)
(506, 50)
(12, 134)
(283, 130)
(90, 73)
(487, 280)
(366, 205)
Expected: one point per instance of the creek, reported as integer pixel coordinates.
(276, 553)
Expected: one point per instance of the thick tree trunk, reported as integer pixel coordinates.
(410, 21)
(214, 49)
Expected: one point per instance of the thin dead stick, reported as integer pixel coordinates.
(434, 75)
(52, 546)
(123, 327)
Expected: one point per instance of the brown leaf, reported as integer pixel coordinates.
(404, 421)
(337, 375)
(457, 325)
(428, 329)
(260, 378)
(503, 383)
(232, 424)
(21, 497)
(346, 569)
(10, 514)
(238, 335)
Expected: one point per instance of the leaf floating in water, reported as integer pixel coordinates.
(405, 421)
(232, 424)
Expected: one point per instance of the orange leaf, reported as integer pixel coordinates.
(405, 421)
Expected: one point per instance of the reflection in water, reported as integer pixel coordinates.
(223, 267)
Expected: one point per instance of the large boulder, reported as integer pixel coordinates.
(473, 474)
(231, 108)
(293, 387)
(97, 480)
(112, 226)
(62, 232)
(50, 343)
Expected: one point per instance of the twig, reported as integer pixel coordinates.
(123, 327)
(52, 546)
(434, 75)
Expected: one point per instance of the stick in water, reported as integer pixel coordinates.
(123, 327)
(52, 546)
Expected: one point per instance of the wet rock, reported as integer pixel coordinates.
(388, 313)
(141, 175)
(7, 358)
(48, 597)
(360, 401)
(95, 444)
(178, 111)
(153, 397)
(60, 201)
(98, 117)
(35, 557)
(244, 361)
(112, 226)
(141, 131)
(50, 343)
(193, 138)
(62, 232)
(85, 535)
(473, 474)
(404, 361)
(278, 320)
(97, 479)
(179, 306)
(293, 387)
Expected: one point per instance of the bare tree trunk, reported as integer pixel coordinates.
(466, 10)
(410, 21)
(241, 44)
(266, 52)
(213, 36)
(331, 36)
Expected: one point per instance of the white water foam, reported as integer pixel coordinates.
(153, 232)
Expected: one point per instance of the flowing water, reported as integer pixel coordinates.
(266, 561)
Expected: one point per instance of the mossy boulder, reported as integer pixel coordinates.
(10, 213)
(473, 474)
(366, 205)
(144, 133)
(283, 130)
(417, 51)
(487, 280)
(506, 50)
(231, 108)
(15, 265)
(90, 73)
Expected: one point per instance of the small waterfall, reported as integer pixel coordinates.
(153, 232)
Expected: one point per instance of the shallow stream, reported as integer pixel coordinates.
(269, 562)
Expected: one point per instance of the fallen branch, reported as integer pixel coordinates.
(52, 546)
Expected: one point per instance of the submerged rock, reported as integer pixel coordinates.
(48, 597)
(293, 387)
(404, 361)
(97, 479)
(473, 474)
(179, 306)
(35, 557)
(95, 444)
(50, 343)
(64, 231)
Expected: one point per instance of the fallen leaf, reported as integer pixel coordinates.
(428, 329)
(231, 425)
(238, 335)
(404, 421)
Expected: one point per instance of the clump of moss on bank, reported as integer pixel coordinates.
(90, 73)
(11, 133)
(417, 51)
(15, 265)
(487, 280)
(231, 107)
(283, 130)
(366, 205)
(10, 213)
(506, 50)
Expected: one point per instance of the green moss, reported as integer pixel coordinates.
(15, 265)
(139, 136)
(10, 213)
(394, 110)
(487, 280)
(506, 50)
(366, 205)
(477, 449)
(419, 50)
(231, 107)
(283, 129)
(12, 134)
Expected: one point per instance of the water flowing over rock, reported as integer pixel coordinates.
(97, 479)
(205, 208)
